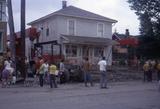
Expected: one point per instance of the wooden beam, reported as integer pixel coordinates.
(23, 37)
(12, 32)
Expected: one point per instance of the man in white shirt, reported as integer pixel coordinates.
(102, 67)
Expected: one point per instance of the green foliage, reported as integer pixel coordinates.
(148, 12)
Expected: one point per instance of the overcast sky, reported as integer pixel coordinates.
(115, 9)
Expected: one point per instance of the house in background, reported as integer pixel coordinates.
(3, 26)
(126, 49)
(80, 33)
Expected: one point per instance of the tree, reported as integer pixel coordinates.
(148, 12)
(146, 25)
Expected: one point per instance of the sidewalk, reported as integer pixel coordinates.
(80, 86)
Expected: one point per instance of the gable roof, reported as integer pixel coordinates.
(117, 36)
(72, 11)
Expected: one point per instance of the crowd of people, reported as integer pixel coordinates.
(150, 67)
(48, 72)
(52, 71)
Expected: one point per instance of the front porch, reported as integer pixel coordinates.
(76, 48)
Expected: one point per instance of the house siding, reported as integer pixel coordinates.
(53, 31)
(59, 25)
(83, 27)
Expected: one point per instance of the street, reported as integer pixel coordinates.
(120, 95)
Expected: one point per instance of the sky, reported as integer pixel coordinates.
(115, 9)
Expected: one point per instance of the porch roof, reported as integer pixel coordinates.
(86, 40)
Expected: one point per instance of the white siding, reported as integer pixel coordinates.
(59, 25)
(43, 25)
(83, 27)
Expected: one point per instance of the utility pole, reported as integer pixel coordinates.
(12, 32)
(23, 36)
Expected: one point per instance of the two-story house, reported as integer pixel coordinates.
(3, 26)
(81, 33)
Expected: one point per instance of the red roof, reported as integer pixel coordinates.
(129, 41)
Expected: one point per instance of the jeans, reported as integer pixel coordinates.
(53, 81)
(145, 75)
(87, 78)
(158, 75)
(103, 79)
(41, 79)
(150, 75)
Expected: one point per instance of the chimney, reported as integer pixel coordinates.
(64, 4)
(127, 32)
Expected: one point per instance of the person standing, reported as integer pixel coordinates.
(103, 73)
(7, 71)
(87, 73)
(62, 72)
(158, 70)
(46, 67)
(41, 74)
(152, 69)
(52, 74)
(8, 65)
(146, 71)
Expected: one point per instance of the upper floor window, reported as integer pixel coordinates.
(71, 27)
(100, 30)
(1, 42)
(47, 32)
(1, 11)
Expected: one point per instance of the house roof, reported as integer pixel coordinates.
(72, 11)
(117, 36)
(88, 40)
(124, 40)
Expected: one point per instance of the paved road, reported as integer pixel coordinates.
(124, 95)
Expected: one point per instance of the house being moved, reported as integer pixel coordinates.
(79, 32)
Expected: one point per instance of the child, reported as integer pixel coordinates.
(52, 74)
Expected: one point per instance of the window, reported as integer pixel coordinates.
(100, 29)
(85, 51)
(47, 32)
(1, 42)
(98, 52)
(1, 11)
(71, 27)
(71, 50)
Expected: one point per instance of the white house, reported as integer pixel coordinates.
(80, 33)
